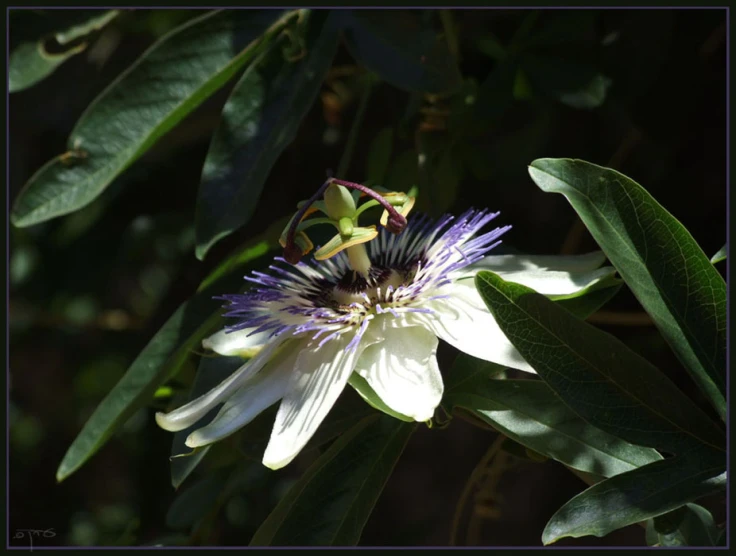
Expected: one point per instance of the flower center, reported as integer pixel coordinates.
(357, 292)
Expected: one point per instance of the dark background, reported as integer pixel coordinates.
(88, 290)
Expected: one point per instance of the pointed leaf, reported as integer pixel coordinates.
(330, 504)
(529, 412)
(643, 493)
(595, 374)
(195, 502)
(169, 81)
(394, 45)
(658, 259)
(720, 256)
(259, 121)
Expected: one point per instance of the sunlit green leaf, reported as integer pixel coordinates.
(259, 121)
(637, 495)
(530, 413)
(595, 374)
(330, 504)
(720, 256)
(659, 260)
(169, 81)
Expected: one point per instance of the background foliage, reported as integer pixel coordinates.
(639, 91)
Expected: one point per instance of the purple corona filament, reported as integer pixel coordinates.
(325, 299)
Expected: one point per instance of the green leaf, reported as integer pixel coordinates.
(590, 96)
(211, 371)
(32, 61)
(658, 259)
(195, 502)
(529, 412)
(595, 374)
(330, 504)
(402, 174)
(689, 525)
(362, 387)
(637, 495)
(93, 22)
(379, 156)
(394, 45)
(159, 361)
(259, 121)
(588, 301)
(720, 256)
(467, 371)
(169, 81)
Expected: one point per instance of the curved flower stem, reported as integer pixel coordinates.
(292, 253)
(396, 221)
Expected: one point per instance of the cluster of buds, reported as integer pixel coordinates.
(338, 200)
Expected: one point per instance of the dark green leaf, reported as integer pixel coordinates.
(211, 371)
(637, 495)
(403, 172)
(195, 502)
(159, 361)
(556, 76)
(259, 121)
(394, 45)
(330, 504)
(495, 95)
(468, 369)
(32, 61)
(595, 374)
(530, 413)
(489, 45)
(169, 81)
(689, 525)
(720, 256)
(659, 260)
(379, 156)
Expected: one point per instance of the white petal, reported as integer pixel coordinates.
(241, 342)
(553, 283)
(403, 371)
(517, 263)
(315, 384)
(556, 282)
(258, 394)
(465, 322)
(193, 411)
